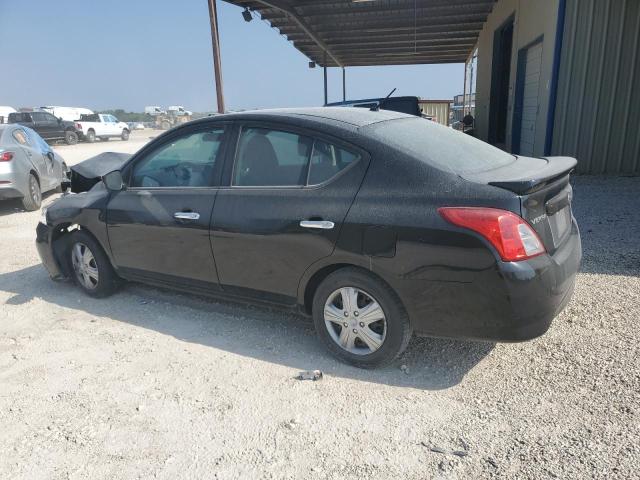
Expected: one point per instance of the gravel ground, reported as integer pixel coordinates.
(154, 384)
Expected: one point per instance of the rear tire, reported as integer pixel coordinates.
(380, 332)
(33, 198)
(125, 134)
(71, 138)
(165, 125)
(89, 266)
(90, 136)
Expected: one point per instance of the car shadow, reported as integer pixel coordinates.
(14, 205)
(271, 335)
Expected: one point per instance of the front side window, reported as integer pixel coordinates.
(50, 118)
(268, 157)
(187, 161)
(39, 117)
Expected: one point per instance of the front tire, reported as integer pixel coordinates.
(89, 266)
(125, 135)
(360, 319)
(71, 138)
(33, 198)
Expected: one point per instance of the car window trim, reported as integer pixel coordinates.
(313, 134)
(149, 149)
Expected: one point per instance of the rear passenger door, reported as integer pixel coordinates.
(287, 193)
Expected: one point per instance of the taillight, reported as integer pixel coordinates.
(6, 156)
(512, 237)
(78, 126)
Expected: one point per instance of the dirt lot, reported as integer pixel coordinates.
(153, 384)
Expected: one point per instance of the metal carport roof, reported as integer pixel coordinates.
(342, 33)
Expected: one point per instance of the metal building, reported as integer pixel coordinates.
(554, 77)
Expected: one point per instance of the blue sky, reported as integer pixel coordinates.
(128, 54)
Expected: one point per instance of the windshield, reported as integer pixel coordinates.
(440, 146)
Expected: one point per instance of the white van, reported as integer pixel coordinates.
(67, 113)
(4, 113)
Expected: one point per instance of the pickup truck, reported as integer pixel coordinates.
(48, 127)
(102, 126)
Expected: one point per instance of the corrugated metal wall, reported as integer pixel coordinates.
(597, 116)
(438, 109)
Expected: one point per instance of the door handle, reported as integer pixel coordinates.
(321, 224)
(186, 216)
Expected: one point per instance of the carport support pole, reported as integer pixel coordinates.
(344, 86)
(325, 85)
(324, 70)
(464, 92)
(215, 42)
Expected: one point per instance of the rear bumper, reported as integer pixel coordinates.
(12, 184)
(9, 191)
(44, 245)
(513, 302)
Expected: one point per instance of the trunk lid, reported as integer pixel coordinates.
(544, 190)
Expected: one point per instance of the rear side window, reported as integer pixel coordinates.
(327, 160)
(440, 146)
(271, 158)
(20, 136)
(268, 158)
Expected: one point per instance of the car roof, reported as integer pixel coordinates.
(356, 117)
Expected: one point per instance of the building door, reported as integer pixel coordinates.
(500, 78)
(527, 103)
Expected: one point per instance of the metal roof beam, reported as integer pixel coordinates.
(364, 9)
(287, 10)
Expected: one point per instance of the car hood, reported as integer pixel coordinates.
(86, 174)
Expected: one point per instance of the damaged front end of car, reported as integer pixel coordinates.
(82, 206)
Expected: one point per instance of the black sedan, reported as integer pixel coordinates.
(378, 224)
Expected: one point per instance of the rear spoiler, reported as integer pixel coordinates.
(527, 177)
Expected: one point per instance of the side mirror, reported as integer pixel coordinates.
(51, 155)
(113, 181)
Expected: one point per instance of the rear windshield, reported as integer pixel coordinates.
(89, 117)
(440, 146)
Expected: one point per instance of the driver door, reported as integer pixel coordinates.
(158, 226)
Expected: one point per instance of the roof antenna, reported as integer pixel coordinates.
(375, 108)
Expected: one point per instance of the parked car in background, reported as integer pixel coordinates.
(406, 104)
(48, 127)
(28, 166)
(4, 113)
(66, 113)
(102, 126)
(378, 224)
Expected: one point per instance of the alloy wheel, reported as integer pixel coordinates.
(355, 320)
(34, 190)
(84, 266)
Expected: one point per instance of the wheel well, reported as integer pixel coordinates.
(316, 279)
(35, 174)
(91, 130)
(59, 238)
